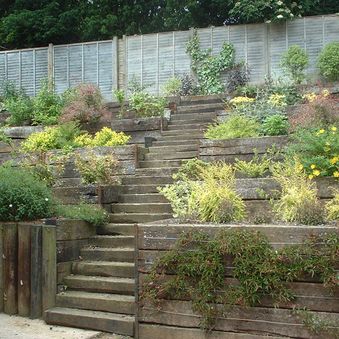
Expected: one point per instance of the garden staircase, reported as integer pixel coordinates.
(100, 293)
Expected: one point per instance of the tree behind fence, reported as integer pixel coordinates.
(152, 59)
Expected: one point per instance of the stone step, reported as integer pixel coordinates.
(174, 148)
(142, 198)
(186, 134)
(133, 180)
(105, 302)
(197, 117)
(104, 269)
(142, 208)
(160, 163)
(93, 320)
(108, 254)
(184, 126)
(139, 217)
(159, 172)
(87, 283)
(171, 156)
(112, 241)
(115, 229)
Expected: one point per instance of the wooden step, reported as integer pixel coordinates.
(116, 229)
(112, 241)
(160, 163)
(108, 254)
(194, 117)
(187, 133)
(172, 155)
(157, 172)
(139, 217)
(143, 198)
(185, 125)
(139, 189)
(147, 180)
(174, 148)
(141, 208)
(197, 108)
(106, 302)
(104, 269)
(93, 320)
(169, 141)
(100, 284)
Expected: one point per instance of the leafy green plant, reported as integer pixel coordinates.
(255, 168)
(47, 106)
(172, 87)
(294, 61)
(328, 61)
(93, 214)
(236, 126)
(21, 110)
(108, 137)
(317, 150)
(298, 201)
(198, 262)
(147, 105)
(22, 196)
(190, 169)
(207, 67)
(332, 207)
(96, 169)
(4, 138)
(276, 124)
(121, 98)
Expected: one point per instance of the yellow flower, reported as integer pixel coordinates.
(334, 160)
(310, 176)
(240, 101)
(333, 128)
(325, 92)
(277, 100)
(313, 166)
(321, 131)
(300, 167)
(336, 174)
(310, 97)
(316, 173)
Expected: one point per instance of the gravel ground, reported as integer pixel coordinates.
(14, 327)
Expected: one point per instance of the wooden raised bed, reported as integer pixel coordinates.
(242, 148)
(175, 318)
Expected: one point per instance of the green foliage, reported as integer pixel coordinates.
(332, 207)
(147, 105)
(236, 126)
(260, 271)
(21, 110)
(46, 106)
(298, 201)
(317, 150)
(294, 61)
(4, 138)
(172, 87)
(94, 215)
(276, 124)
(190, 169)
(108, 137)
(207, 67)
(120, 96)
(255, 168)
(96, 169)
(328, 61)
(22, 196)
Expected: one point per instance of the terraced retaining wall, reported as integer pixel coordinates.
(243, 149)
(175, 318)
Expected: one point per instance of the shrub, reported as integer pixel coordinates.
(107, 137)
(276, 124)
(257, 167)
(147, 105)
(121, 98)
(94, 215)
(21, 110)
(332, 207)
(237, 76)
(294, 61)
(22, 196)
(298, 201)
(172, 87)
(84, 104)
(247, 90)
(319, 110)
(190, 169)
(241, 101)
(328, 61)
(317, 151)
(96, 169)
(236, 126)
(47, 106)
(189, 86)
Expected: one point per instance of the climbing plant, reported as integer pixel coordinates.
(198, 262)
(208, 67)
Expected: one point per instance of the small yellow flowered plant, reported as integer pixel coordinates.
(277, 100)
(310, 97)
(240, 101)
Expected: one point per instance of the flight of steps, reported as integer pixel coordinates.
(100, 292)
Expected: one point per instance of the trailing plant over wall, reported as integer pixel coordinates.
(198, 262)
(207, 67)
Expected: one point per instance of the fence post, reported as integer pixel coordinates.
(267, 53)
(1, 270)
(125, 59)
(50, 66)
(115, 58)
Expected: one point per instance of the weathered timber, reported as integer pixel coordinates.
(68, 229)
(139, 124)
(64, 269)
(1, 270)
(49, 277)
(24, 269)
(21, 132)
(10, 244)
(258, 320)
(36, 272)
(68, 250)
